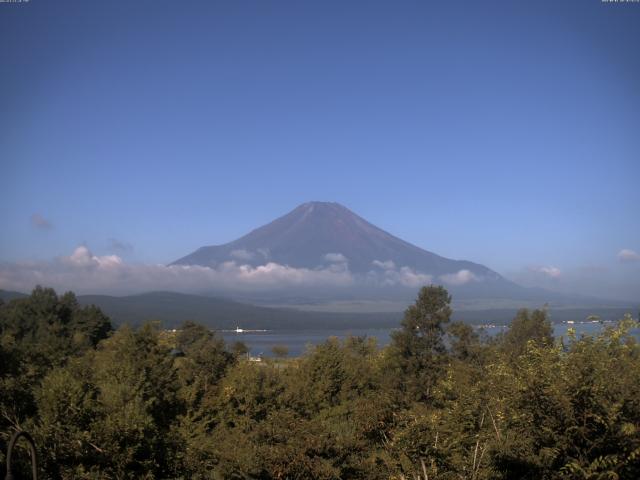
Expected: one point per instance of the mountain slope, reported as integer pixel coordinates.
(322, 236)
(317, 233)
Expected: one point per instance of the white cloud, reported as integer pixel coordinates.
(386, 265)
(84, 272)
(391, 276)
(459, 278)
(242, 254)
(82, 257)
(335, 258)
(608, 282)
(549, 271)
(411, 278)
(627, 255)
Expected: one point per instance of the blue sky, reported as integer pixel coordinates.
(502, 132)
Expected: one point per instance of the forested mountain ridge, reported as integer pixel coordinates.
(171, 309)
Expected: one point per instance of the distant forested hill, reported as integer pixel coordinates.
(174, 308)
(171, 309)
(7, 295)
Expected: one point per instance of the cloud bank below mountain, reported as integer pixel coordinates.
(84, 272)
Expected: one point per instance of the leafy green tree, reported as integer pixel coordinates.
(89, 326)
(109, 412)
(464, 341)
(417, 353)
(205, 360)
(603, 388)
(568, 413)
(38, 333)
(199, 373)
(323, 374)
(67, 409)
(528, 326)
(239, 349)
(137, 399)
(439, 402)
(223, 440)
(280, 351)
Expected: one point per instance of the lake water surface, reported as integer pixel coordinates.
(297, 341)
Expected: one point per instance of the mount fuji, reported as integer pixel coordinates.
(317, 235)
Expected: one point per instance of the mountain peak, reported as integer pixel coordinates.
(309, 207)
(327, 213)
(314, 234)
(320, 204)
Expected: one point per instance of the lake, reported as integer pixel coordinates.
(261, 343)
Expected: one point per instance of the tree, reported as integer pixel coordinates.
(417, 351)
(280, 351)
(528, 326)
(37, 334)
(109, 412)
(205, 362)
(239, 349)
(464, 341)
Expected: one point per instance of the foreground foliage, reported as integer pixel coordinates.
(439, 402)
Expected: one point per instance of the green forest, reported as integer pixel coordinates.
(441, 401)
